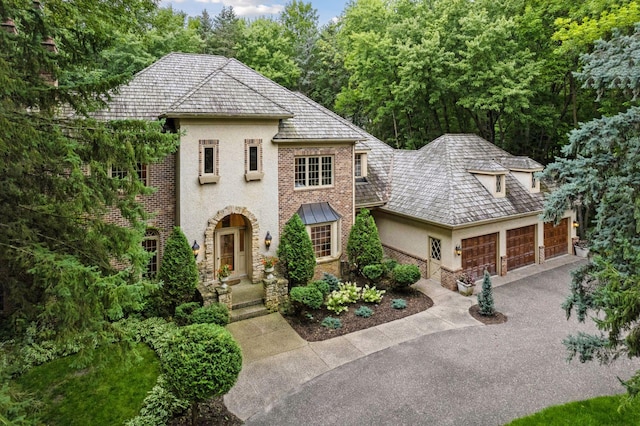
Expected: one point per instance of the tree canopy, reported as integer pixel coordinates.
(58, 253)
(600, 169)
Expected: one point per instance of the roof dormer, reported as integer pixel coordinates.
(524, 169)
(491, 174)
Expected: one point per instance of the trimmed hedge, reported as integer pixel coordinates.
(308, 296)
(405, 275)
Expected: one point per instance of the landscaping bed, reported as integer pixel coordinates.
(308, 325)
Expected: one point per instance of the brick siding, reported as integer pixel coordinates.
(340, 195)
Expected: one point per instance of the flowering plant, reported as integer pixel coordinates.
(466, 279)
(269, 262)
(224, 271)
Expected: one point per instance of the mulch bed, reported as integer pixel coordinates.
(311, 330)
(212, 412)
(496, 318)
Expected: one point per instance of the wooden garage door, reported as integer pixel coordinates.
(556, 238)
(479, 253)
(521, 247)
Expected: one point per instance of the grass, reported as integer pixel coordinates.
(108, 392)
(600, 411)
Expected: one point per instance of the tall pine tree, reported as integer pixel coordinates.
(57, 250)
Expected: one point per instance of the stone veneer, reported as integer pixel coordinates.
(276, 293)
(340, 195)
(541, 255)
(503, 266)
(206, 266)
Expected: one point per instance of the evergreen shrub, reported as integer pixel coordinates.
(308, 296)
(373, 272)
(332, 280)
(364, 311)
(364, 247)
(322, 286)
(485, 298)
(333, 323)
(405, 275)
(215, 313)
(184, 311)
(398, 304)
(297, 260)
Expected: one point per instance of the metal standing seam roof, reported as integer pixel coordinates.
(314, 213)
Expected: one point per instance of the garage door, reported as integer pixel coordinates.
(479, 253)
(556, 239)
(521, 247)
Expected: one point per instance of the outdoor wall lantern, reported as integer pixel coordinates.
(267, 240)
(575, 224)
(458, 250)
(195, 248)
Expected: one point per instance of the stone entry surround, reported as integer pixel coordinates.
(206, 267)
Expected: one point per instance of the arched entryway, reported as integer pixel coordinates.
(231, 238)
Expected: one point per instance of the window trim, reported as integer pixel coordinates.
(204, 177)
(500, 184)
(152, 236)
(362, 177)
(335, 237)
(258, 174)
(320, 172)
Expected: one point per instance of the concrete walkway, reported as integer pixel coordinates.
(277, 360)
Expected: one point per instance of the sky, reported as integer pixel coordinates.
(327, 9)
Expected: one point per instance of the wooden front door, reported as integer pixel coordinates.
(480, 253)
(231, 251)
(521, 247)
(556, 239)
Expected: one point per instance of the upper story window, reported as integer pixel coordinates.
(498, 184)
(360, 167)
(313, 171)
(534, 181)
(209, 161)
(253, 159)
(118, 173)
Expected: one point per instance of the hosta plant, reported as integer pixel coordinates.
(372, 294)
(337, 302)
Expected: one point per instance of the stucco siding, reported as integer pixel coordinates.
(200, 202)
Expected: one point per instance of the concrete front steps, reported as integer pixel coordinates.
(247, 301)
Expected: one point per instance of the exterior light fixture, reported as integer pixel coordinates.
(195, 248)
(267, 240)
(458, 250)
(575, 224)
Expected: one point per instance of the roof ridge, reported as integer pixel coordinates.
(190, 92)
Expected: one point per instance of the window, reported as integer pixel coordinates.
(253, 159)
(321, 240)
(323, 225)
(143, 173)
(360, 167)
(436, 249)
(533, 181)
(150, 244)
(208, 161)
(118, 173)
(499, 184)
(313, 171)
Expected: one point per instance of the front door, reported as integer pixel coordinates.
(230, 249)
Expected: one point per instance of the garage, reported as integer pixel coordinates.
(556, 239)
(479, 253)
(521, 247)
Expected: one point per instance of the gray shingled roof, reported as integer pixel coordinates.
(182, 84)
(434, 184)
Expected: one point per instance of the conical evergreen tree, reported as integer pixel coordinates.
(297, 260)
(485, 298)
(178, 273)
(364, 247)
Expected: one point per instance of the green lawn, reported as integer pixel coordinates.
(108, 392)
(601, 411)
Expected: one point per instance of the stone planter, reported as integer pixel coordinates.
(581, 251)
(223, 282)
(464, 289)
(269, 272)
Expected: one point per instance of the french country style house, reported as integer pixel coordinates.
(252, 154)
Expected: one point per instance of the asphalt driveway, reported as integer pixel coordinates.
(484, 375)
